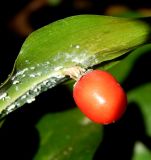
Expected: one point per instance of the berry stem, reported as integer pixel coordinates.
(74, 72)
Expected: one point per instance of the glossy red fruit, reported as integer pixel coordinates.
(100, 97)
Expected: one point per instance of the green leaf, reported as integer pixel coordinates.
(144, 103)
(84, 41)
(141, 96)
(141, 152)
(141, 92)
(133, 72)
(56, 126)
(67, 135)
(122, 70)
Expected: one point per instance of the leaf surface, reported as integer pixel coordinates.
(84, 41)
(67, 135)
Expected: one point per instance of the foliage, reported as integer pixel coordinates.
(86, 41)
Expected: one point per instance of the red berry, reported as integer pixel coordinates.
(100, 97)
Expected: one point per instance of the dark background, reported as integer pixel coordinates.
(14, 33)
(18, 18)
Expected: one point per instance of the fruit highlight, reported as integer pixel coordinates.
(100, 97)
